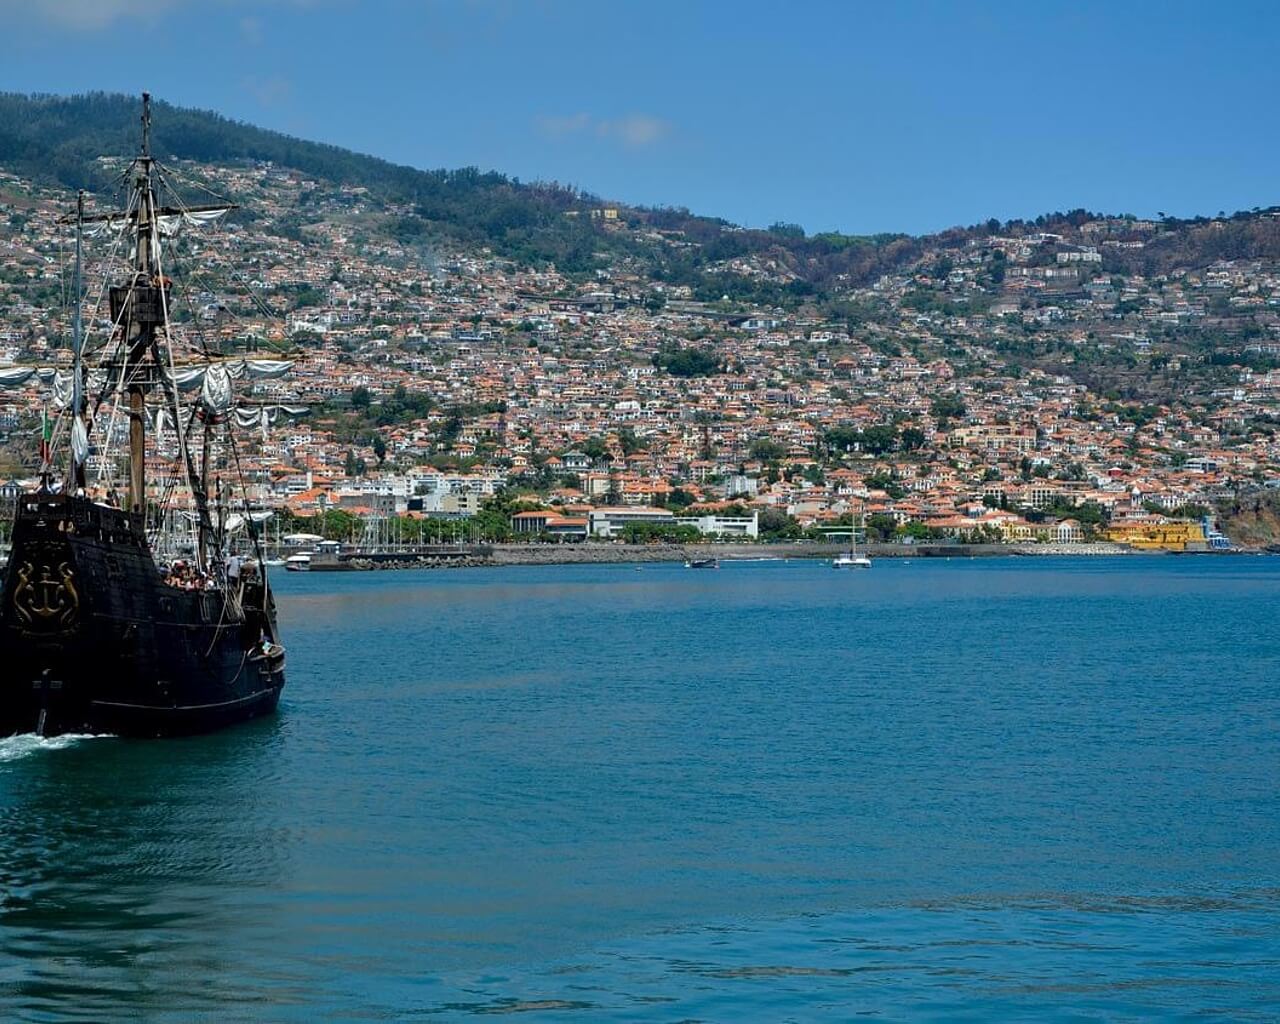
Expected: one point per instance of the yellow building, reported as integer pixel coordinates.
(1153, 535)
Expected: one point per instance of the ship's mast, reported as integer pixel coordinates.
(142, 328)
(141, 308)
(77, 351)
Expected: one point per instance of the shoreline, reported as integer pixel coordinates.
(529, 554)
(588, 553)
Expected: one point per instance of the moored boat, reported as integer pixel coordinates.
(851, 559)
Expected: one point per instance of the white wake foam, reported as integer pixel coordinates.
(24, 744)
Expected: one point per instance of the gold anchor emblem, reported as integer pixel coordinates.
(46, 599)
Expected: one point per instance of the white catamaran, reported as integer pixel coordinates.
(851, 559)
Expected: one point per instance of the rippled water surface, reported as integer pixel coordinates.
(999, 789)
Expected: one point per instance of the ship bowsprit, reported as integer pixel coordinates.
(97, 641)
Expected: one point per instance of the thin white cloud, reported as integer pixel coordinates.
(95, 15)
(86, 15)
(636, 129)
(272, 91)
(558, 127)
(633, 130)
(251, 31)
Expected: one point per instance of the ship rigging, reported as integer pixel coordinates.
(100, 636)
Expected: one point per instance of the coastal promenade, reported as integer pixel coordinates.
(597, 553)
(552, 554)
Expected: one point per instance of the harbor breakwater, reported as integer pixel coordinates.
(596, 553)
(551, 554)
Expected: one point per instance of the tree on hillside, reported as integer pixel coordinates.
(842, 439)
(594, 448)
(912, 439)
(948, 407)
(767, 450)
(629, 442)
(687, 362)
(881, 526)
(774, 524)
(879, 439)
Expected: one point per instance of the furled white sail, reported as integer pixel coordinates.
(264, 416)
(236, 520)
(246, 418)
(251, 416)
(189, 378)
(171, 225)
(14, 377)
(79, 441)
(60, 386)
(255, 369)
(216, 394)
(267, 369)
(59, 382)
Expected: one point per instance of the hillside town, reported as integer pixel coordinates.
(1025, 386)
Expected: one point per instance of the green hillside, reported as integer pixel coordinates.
(58, 139)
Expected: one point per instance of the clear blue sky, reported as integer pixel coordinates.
(861, 117)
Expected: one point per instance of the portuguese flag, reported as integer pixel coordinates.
(46, 435)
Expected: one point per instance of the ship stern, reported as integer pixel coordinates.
(42, 618)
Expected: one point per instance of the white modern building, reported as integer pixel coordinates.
(608, 523)
(724, 526)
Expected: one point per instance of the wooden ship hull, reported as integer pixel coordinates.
(96, 641)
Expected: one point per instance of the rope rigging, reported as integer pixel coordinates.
(135, 351)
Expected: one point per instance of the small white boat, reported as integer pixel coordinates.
(300, 562)
(851, 559)
(273, 563)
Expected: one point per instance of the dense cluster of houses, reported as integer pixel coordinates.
(557, 388)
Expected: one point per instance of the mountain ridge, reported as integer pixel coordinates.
(60, 138)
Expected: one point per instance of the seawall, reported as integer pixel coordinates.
(600, 553)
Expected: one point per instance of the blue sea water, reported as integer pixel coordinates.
(1005, 789)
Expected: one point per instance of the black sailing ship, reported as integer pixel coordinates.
(98, 635)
